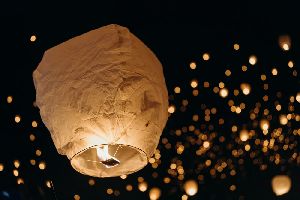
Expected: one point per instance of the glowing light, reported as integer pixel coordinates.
(193, 65)
(283, 119)
(20, 181)
(38, 152)
(143, 186)
(177, 90)
(171, 109)
(191, 187)
(48, 184)
(17, 164)
(1, 167)
(17, 118)
(285, 47)
(223, 92)
(76, 197)
(274, 72)
(42, 165)
(247, 147)
(291, 64)
(264, 124)
(31, 137)
(244, 135)
(109, 191)
(206, 56)
(91, 182)
(238, 110)
(246, 88)
(124, 176)
(33, 38)
(227, 72)
(9, 99)
(194, 83)
(184, 197)
(129, 187)
(206, 144)
(252, 60)
(298, 97)
(32, 162)
(281, 184)
(154, 193)
(34, 124)
(221, 85)
(244, 68)
(232, 187)
(236, 47)
(263, 77)
(206, 84)
(16, 172)
(107, 160)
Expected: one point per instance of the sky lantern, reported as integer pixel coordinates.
(191, 187)
(281, 184)
(103, 97)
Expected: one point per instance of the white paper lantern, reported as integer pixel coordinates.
(281, 184)
(191, 187)
(154, 193)
(103, 97)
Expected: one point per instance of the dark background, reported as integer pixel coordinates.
(178, 32)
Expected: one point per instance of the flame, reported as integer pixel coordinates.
(102, 153)
(107, 160)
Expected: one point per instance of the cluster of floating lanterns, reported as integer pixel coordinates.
(249, 141)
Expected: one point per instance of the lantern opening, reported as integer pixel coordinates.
(106, 159)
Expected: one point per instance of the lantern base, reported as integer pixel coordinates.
(124, 159)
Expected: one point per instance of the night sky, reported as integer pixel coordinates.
(204, 48)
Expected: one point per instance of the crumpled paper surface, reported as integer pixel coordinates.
(102, 87)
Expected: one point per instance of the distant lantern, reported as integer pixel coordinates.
(154, 193)
(191, 187)
(244, 135)
(103, 97)
(284, 42)
(281, 184)
(246, 88)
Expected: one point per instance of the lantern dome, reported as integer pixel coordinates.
(281, 184)
(103, 97)
(191, 187)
